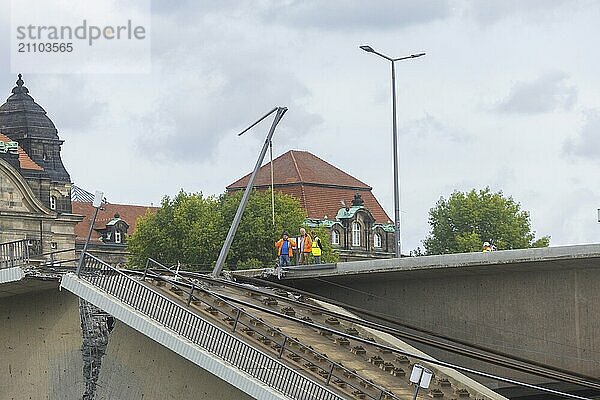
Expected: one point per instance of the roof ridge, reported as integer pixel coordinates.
(301, 166)
(296, 165)
(339, 169)
(299, 177)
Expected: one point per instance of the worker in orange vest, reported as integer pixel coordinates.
(285, 250)
(304, 246)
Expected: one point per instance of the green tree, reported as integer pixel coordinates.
(185, 229)
(256, 235)
(464, 221)
(191, 229)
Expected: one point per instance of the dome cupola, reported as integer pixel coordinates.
(26, 122)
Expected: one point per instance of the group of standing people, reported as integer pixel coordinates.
(306, 247)
(488, 247)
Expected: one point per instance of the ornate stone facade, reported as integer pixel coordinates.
(35, 198)
(24, 216)
(355, 233)
(26, 122)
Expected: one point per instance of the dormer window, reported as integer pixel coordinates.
(118, 237)
(377, 240)
(355, 234)
(335, 237)
(53, 202)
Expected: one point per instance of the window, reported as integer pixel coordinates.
(117, 236)
(377, 240)
(53, 202)
(355, 234)
(335, 237)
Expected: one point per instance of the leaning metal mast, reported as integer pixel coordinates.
(240, 211)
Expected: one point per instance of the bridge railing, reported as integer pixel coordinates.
(18, 252)
(191, 326)
(330, 372)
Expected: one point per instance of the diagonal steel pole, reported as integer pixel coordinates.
(240, 211)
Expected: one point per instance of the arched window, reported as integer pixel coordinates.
(53, 202)
(377, 240)
(118, 236)
(335, 237)
(355, 234)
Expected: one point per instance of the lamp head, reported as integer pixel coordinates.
(368, 49)
(98, 197)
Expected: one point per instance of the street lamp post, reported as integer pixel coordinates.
(369, 49)
(97, 203)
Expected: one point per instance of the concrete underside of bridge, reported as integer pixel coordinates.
(41, 356)
(539, 307)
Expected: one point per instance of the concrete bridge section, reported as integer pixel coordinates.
(539, 304)
(41, 353)
(117, 337)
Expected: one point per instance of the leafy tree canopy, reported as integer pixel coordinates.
(256, 235)
(187, 229)
(464, 221)
(191, 229)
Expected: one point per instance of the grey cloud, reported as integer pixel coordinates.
(200, 117)
(432, 128)
(78, 106)
(490, 12)
(190, 8)
(548, 93)
(344, 14)
(587, 143)
(218, 90)
(5, 41)
(68, 99)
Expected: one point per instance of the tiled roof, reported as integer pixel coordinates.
(318, 185)
(300, 167)
(128, 213)
(321, 201)
(24, 160)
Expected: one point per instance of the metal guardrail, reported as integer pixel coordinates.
(215, 340)
(331, 372)
(18, 252)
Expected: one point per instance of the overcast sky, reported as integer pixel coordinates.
(508, 96)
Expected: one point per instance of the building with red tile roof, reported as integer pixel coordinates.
(320, 186)
(114, 223)
(324, 191)
(108, 215)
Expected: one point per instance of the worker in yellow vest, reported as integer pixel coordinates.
(316, 249)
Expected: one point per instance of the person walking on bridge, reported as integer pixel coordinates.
(285, 247)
